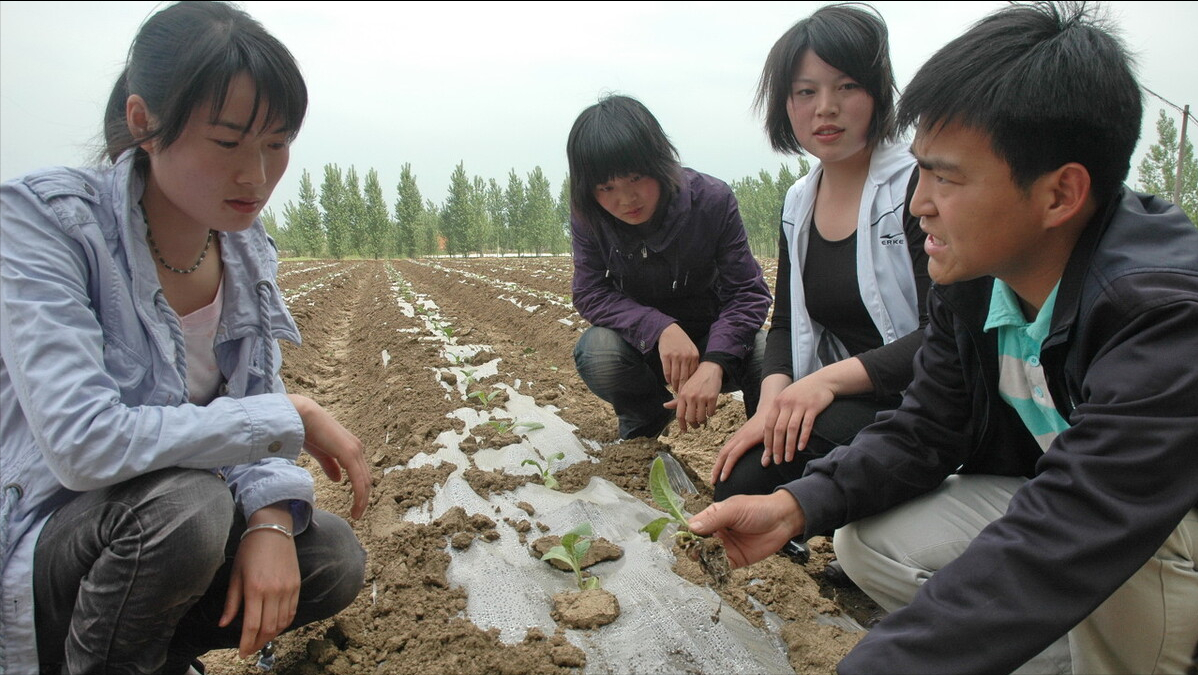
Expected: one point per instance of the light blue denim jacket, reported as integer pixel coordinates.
(92, 374)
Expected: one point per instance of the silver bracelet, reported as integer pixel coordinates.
(268, 526)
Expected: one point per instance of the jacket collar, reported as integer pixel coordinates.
(971, 299)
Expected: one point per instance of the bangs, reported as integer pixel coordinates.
(614, 152)
(278, 85)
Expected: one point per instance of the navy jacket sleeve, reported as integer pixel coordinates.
(1104, 497)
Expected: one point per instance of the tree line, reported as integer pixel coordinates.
(348, 216)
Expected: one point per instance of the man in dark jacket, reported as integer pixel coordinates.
(1040, 479)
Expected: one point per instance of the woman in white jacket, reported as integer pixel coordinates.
(852, 273)
(150, 505)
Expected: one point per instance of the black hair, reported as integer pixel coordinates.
(850, 37)
(1049, 83)
(615, 137)
(186, 55)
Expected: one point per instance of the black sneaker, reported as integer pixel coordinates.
(835, 575)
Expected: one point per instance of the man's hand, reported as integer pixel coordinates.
(679, 356)
(334, 447)
(752, 527)
(696, 400)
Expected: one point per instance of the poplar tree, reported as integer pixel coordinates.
(409, 209)
(1158, 169)
(563, 210)
(456, 215)
(495, 215)
(355, 213)
(377, 219)
(304, 220)
(332, 202)
(513, 212)
(540, 213)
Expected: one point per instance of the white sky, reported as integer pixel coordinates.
(498, 84)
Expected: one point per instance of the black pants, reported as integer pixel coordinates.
(837, 425)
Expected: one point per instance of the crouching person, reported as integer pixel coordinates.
(1030, 506)
(151, 508)
(664, 274)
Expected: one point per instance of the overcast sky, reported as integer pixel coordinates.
(498, 85)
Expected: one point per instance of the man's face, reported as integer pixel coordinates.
(979, 222)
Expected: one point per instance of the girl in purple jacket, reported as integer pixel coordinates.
(662, 271)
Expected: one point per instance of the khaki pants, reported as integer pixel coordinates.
(1148, 626)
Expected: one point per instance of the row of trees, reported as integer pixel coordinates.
(350, 217)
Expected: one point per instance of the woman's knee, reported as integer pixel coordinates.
(604, 360)
(190, 513)
(333, 564)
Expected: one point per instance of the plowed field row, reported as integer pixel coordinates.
(394, 349)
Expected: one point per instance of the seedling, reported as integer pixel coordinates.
(504, 427)
(469, 373)
(571, 551)
(547, 478)
(446, 330)
(483, 396)
(666, 498)
(709, 551)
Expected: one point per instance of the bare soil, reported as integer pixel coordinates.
(375, 368)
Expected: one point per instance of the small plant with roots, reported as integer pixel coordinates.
(708, 551)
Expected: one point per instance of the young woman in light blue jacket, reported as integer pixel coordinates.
(147, 467)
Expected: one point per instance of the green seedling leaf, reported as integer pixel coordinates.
(654, 528)
(533, 426)
(572, 549)
(547, 478)
(558, 553)
(483, 396)
(663, 494)
(666, 498)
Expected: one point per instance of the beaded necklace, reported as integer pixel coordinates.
(176, 270)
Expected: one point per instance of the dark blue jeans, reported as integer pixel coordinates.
(132, 578)
(634, 384)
